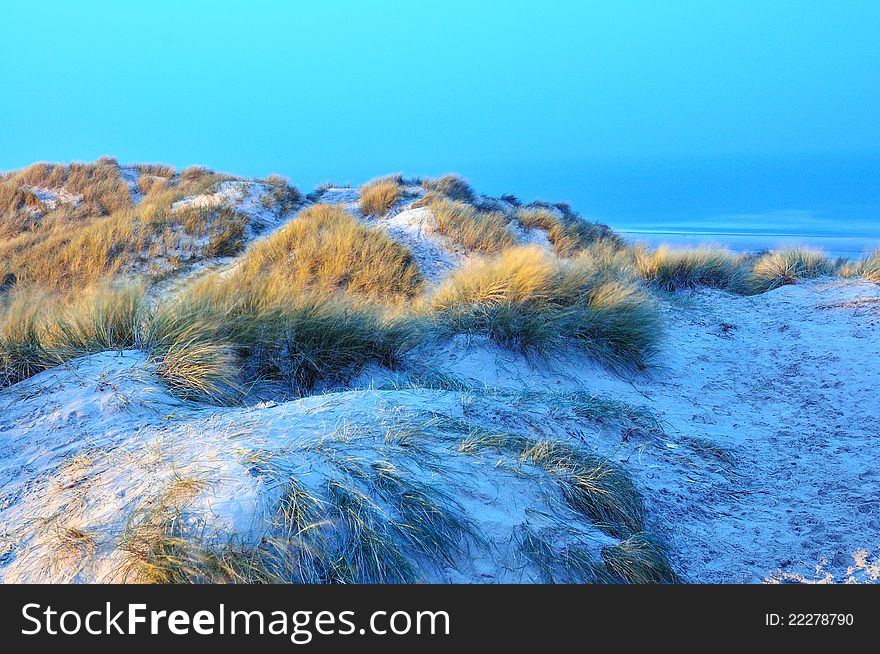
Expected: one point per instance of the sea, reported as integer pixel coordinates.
(748, 204)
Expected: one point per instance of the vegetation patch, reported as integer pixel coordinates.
(530, 301)
(569, 233)
(686, 269)
(326, 250)
(379, 196)
(782, 267)
(452, 187)
(470, 228)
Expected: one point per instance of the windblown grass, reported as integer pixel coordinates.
(530, 301)
(39, 332)
(569, 564)
(380, 195)
(676, 269)
(782, 267)
(209, 340)
(867, 268)
(22, 351)
(569, 233)
(640, 559)
(430, 521)
(871, 268)
(282, 197)
(386, 511)
(474, 230)
(292, 337)
(452, 187)
(327, 250)
(369, 552)
(592, 485)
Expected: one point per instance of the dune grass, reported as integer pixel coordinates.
(326, 250)
(38, 332)
(569, 233)
(672, 269)
(868, 267)
(294, 337)
(569, 564)
(592, 485)
(452, 187)
(466, 226)
(783, 267)
(640, 559)
(270, 321)
(871, 267)
(378, 196)
(530, 301)
(282, 197)
(22, 325)
(76, 245)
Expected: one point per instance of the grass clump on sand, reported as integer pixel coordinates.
(281, 196)
(676, 269)
(782, 267)
(568, 564)
(530, 301)
(294, 337)
(325, 249)
(473, 230)
(300, 308)
(640, 559)
(451, 187)
(867, 268)
(569, 233)
(380, 195)
(871, 267)
(39, 333)
(77, 243)
(22, 351)
(591, 485)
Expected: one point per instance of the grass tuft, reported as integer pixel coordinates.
(592, 485)
(451, 186)
(782, 267)
(380, 195)
(327, 250)
(677, 269)
(640, 559)
(569, 233)
(529, 301)
(473, 230)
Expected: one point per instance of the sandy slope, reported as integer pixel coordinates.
(786, 383)
(768, 463)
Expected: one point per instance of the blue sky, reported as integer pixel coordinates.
(347, 90)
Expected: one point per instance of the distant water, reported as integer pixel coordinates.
(747, 204)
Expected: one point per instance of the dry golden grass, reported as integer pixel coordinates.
(868, 267)
(39, 331)
(380, 195)
(529, 300)
(74, 247)
(782, 267)
(293, 336)
(568, 232)
(689, 268)
(475, 231)
(326, 250)
(452, 187)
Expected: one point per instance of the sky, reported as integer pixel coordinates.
(507, 93)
